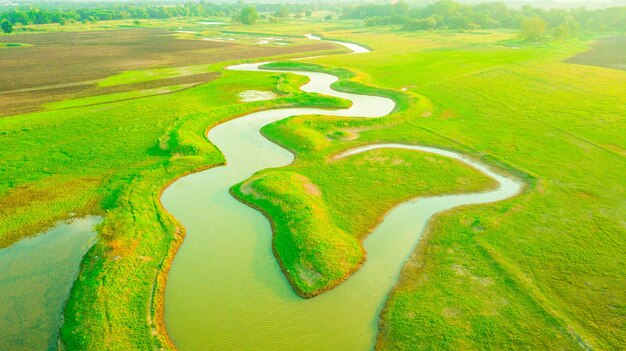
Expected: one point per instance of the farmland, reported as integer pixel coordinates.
(606, 52)
(100, 122)
(58, 66)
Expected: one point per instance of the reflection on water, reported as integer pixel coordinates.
(36, 275)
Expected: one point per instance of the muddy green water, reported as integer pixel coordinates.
(225, 289)
(36, 275)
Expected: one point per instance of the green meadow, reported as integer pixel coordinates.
(317, 234)
(114, 158)
(543, 270)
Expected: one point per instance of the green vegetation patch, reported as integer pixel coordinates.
(542, 270)
(114, 160)
(13, 45)
(345, 82)
(322, 208)
(552, 256)
(108, 98)
(140, 76)
(314, 253)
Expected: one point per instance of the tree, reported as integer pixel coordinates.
(308, 13)
(6, 27)
(401, 8)
(568, 27)
(248, 15)
(283, 12)
(533, 28)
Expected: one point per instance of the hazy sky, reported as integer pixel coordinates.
(296, 1)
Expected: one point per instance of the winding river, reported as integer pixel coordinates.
(226, 291)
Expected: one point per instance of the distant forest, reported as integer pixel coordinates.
(449, 14)
(76, 13)
(441, 15)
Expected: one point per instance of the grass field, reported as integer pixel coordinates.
(541, 271)
(338, 225)
(318, 235)
(112, 155)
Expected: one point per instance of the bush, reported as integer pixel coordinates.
(6, 27)
(533, 29)
(248, 15)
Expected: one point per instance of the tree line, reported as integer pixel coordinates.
(449, 14)
(250, 15)
(441, 15)
(26, 15)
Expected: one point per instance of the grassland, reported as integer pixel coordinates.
(318, 236)
(113, 158)
(137, 235)
(541, 271)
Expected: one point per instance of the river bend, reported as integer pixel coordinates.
(225, 290)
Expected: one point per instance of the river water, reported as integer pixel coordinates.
(36, 275)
